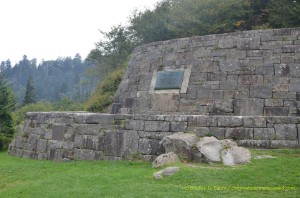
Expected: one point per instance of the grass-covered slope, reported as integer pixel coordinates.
(31, 178)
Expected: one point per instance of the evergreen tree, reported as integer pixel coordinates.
(30, 96)
(7, 104)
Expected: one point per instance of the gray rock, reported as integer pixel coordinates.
(210, 148)
(227, 143)
(164, 159)
(180, 143)
(166, 172)
(264, 157)
(236, 155)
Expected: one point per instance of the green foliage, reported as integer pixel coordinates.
(201, 17)
(19, 115)
(151, 25)
(30, 95)
(66, 104)
(104, 94)
(284, 13)
(7, 105)
(37, 178)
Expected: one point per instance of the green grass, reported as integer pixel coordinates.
(31, 178)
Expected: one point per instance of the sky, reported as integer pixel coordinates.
(48, 29)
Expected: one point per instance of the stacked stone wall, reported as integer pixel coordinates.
(242, 73)
(89, 136)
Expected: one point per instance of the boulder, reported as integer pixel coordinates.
(165, 159)
(236, 155)
(227, 143)
(166, 172)
(210, 148)
(180, 143)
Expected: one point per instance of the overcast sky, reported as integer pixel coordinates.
(47, 29)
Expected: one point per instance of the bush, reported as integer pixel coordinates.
(104, 94)
(66, 104)
(19, 115)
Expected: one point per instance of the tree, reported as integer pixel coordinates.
(30, 95)
(7, 105)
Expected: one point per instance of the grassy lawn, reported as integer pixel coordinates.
(31, 178)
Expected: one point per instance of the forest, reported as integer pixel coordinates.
(74, 84)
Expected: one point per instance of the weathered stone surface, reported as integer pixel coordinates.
(248, 43)
(157, 126)
(210, 148)
(121, 143)
(236, 155)
(286, 131)
(239, 133)
(276, 144)
(166, 172)
(264, 134)
(248, 107)
(180, 143)
(148, 146)
(275, 111)
(178, 126)
(254, 122)
(41, 146)
(227, 143)
(230, 121)
(58, 132)
(164, 159)
(165, 102)
(261, 91)
(138, 125)
(86, 154)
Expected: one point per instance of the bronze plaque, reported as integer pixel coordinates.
(168, 80)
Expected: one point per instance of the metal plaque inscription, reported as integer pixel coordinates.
(168, 80)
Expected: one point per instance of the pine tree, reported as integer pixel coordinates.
(7, 105)
(30, 96)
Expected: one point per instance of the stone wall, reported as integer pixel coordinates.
(91, 136)
(242, 73)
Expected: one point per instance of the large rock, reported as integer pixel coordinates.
(236, 155)
(210, 148)
(180, 143)
(165, 159)
(166, 172)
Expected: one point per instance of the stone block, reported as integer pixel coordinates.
(284, 95)
(58, 132)
(228, 65)
(202, 121)
(203, 92)
(121, 143)
(286, 132)
(221, 106)
(230, 121)
(261, 91)
(264, 134)
(199, 131)
(178, 126)
(217, 132)
(250, 79)
(275, 111)
(165, 102)
(248, 43)
(148, 146)
(276, 144)
(138, 125)
(86, 154)
(41, 146)
(248, 107)
(255, 143)
(192, 92)
(157, 126)
(216, 94)
(294, 87)
(239, 133)
(255, 122)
